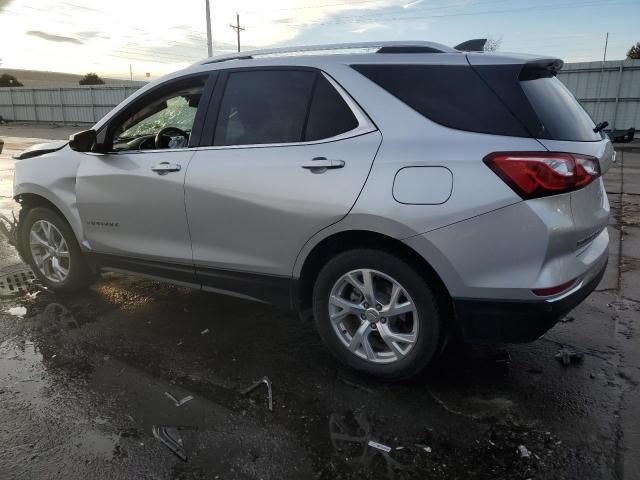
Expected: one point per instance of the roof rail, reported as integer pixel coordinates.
(381, 47)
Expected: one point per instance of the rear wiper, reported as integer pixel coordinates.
(601, 126)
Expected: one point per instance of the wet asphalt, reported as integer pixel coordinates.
(84, 380)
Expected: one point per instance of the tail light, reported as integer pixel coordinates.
(540, 174)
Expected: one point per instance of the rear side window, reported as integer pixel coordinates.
(280, 106)
(329, 114)
(558, 110)
(264, 106)
(451, 95)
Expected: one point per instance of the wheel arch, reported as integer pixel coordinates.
(30, 200)
(351, 239)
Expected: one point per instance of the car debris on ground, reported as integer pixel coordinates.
(17, 311)
(566, 356)
(255, 385)
(379, 446)
(524, 452)
(178, 403)
(172, 439)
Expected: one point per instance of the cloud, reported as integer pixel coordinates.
(370, 26)
(412, 4)
(53, 38)
(4, 3)
(91, 34)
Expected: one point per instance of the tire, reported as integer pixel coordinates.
(79, 274)
(378, 359)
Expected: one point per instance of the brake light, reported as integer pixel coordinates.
(540, 174)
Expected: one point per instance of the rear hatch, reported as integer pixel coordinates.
(552, 115)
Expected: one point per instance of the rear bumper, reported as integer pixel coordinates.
(520, 321)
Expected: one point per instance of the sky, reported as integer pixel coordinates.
(160, 36)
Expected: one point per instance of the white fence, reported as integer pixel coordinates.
(61, 105)
(609, 91)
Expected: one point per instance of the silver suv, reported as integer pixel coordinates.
(401, 193)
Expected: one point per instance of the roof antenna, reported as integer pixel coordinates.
(475, 45)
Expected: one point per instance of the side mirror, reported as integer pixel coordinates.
(85, 141)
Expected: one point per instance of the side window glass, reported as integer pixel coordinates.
(329, 114)
(262, 107)
(162, 121)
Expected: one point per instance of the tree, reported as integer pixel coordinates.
(7, 80)
(91, 79)
(492, 44)
(634, 52)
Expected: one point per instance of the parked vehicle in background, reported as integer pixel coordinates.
(398, 194)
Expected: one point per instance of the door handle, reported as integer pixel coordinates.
(321, 164)
(165, 167)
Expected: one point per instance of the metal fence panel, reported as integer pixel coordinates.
(82, 104)
(609, 91)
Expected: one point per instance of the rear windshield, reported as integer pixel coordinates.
(560, 113)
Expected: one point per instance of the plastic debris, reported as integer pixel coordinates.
(255, 385)
(17, 311)
(524, 452)
(379, 446)
(206, 330)
(171, 438)
(178, 403)
(427, 449)
(567, 357)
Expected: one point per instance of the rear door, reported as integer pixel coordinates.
(290, 152)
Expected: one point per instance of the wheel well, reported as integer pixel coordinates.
(343, 241)
(29, 201)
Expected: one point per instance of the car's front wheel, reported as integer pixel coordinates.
(377, 314)
(50, 247)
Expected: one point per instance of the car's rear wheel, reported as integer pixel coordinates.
(51, 249)
(377, 314)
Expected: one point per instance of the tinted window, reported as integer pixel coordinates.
(560, 113)
(329, 114)
(454, 96)
(264, 107)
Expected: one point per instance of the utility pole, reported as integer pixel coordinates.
(237, 28)
(606, 42)
(209, 40)
(130, 72)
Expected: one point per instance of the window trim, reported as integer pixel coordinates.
(210, 80)
(365, 124)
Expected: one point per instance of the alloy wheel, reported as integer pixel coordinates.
(373, 315)
(49, 251)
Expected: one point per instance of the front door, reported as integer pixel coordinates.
(131, 200)
(290, 153)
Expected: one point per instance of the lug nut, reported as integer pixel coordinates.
(363, 316)
(383, 320)
(378, 307)
(366, 305)
(373, 326)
